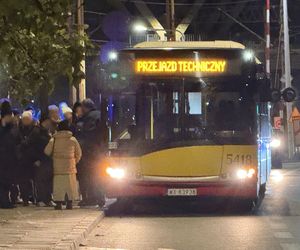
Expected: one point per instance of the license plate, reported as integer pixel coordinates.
(182, 192)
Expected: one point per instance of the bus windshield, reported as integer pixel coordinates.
(187, 97)
(187, 111)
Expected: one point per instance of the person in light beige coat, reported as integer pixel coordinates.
(66, 153)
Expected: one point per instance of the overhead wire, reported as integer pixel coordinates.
(191, 4)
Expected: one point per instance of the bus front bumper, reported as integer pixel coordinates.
(235, 189)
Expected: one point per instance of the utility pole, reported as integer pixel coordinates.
(80, 23)
(170, 12)
(72, 88)
(287, 70)
(268, 40)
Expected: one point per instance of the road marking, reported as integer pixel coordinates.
(165, 249)
(275, 218)
(97, 248)
(283, 235)
(278, 225)
(290, 246)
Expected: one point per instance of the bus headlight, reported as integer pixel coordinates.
(245, 173)
(115, 173)
(275, 143)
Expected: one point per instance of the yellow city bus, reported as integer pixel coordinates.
(191, 121)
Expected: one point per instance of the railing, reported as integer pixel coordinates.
(135, 39)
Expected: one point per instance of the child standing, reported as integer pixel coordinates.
(66, 153)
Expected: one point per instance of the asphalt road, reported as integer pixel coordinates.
(194, 225)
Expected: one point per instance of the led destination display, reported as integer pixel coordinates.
(153, 66)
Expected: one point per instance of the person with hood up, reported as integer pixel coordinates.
(66, 153)
(8, 154)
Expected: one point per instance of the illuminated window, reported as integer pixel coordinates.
(194, 103)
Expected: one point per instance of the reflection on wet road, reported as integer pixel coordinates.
(206, 223)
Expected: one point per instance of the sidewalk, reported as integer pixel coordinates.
(44, 228)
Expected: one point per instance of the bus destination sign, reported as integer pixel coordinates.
(179, 66)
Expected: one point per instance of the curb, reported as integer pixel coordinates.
(79, 233)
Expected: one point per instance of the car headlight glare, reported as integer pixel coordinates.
(275, 143)
(115, 173)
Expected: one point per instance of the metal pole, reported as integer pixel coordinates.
(80, 21)
(170, 12)
(268, 39)
(287, 69)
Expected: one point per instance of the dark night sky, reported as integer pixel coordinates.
(208, 22)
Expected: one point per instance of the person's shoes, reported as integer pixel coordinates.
(26, 203)
(82, 203)
(101, 203)
(69, 205)
(39, 204)
(50, 204)
(58, 206)
(18, 201)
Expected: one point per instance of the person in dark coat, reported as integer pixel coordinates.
(28, 155)
(44, 166)
(92, 142)
(8, 155)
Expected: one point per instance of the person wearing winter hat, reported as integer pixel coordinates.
(68, 113)
(44, 173)
(53, 119)
(91, 139)
(27, 137)
(8, 157)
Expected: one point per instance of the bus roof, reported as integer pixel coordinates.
(172, 45)
(189, 45)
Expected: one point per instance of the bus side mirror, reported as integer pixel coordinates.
(289, 95)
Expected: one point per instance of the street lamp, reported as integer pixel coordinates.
(138, 28)
(112, 55)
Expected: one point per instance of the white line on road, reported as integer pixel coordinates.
(290, 246)
(97, 248)
(277, 226)
(165, 249)
(283, 235)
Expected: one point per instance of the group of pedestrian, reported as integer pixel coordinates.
(42, 161)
